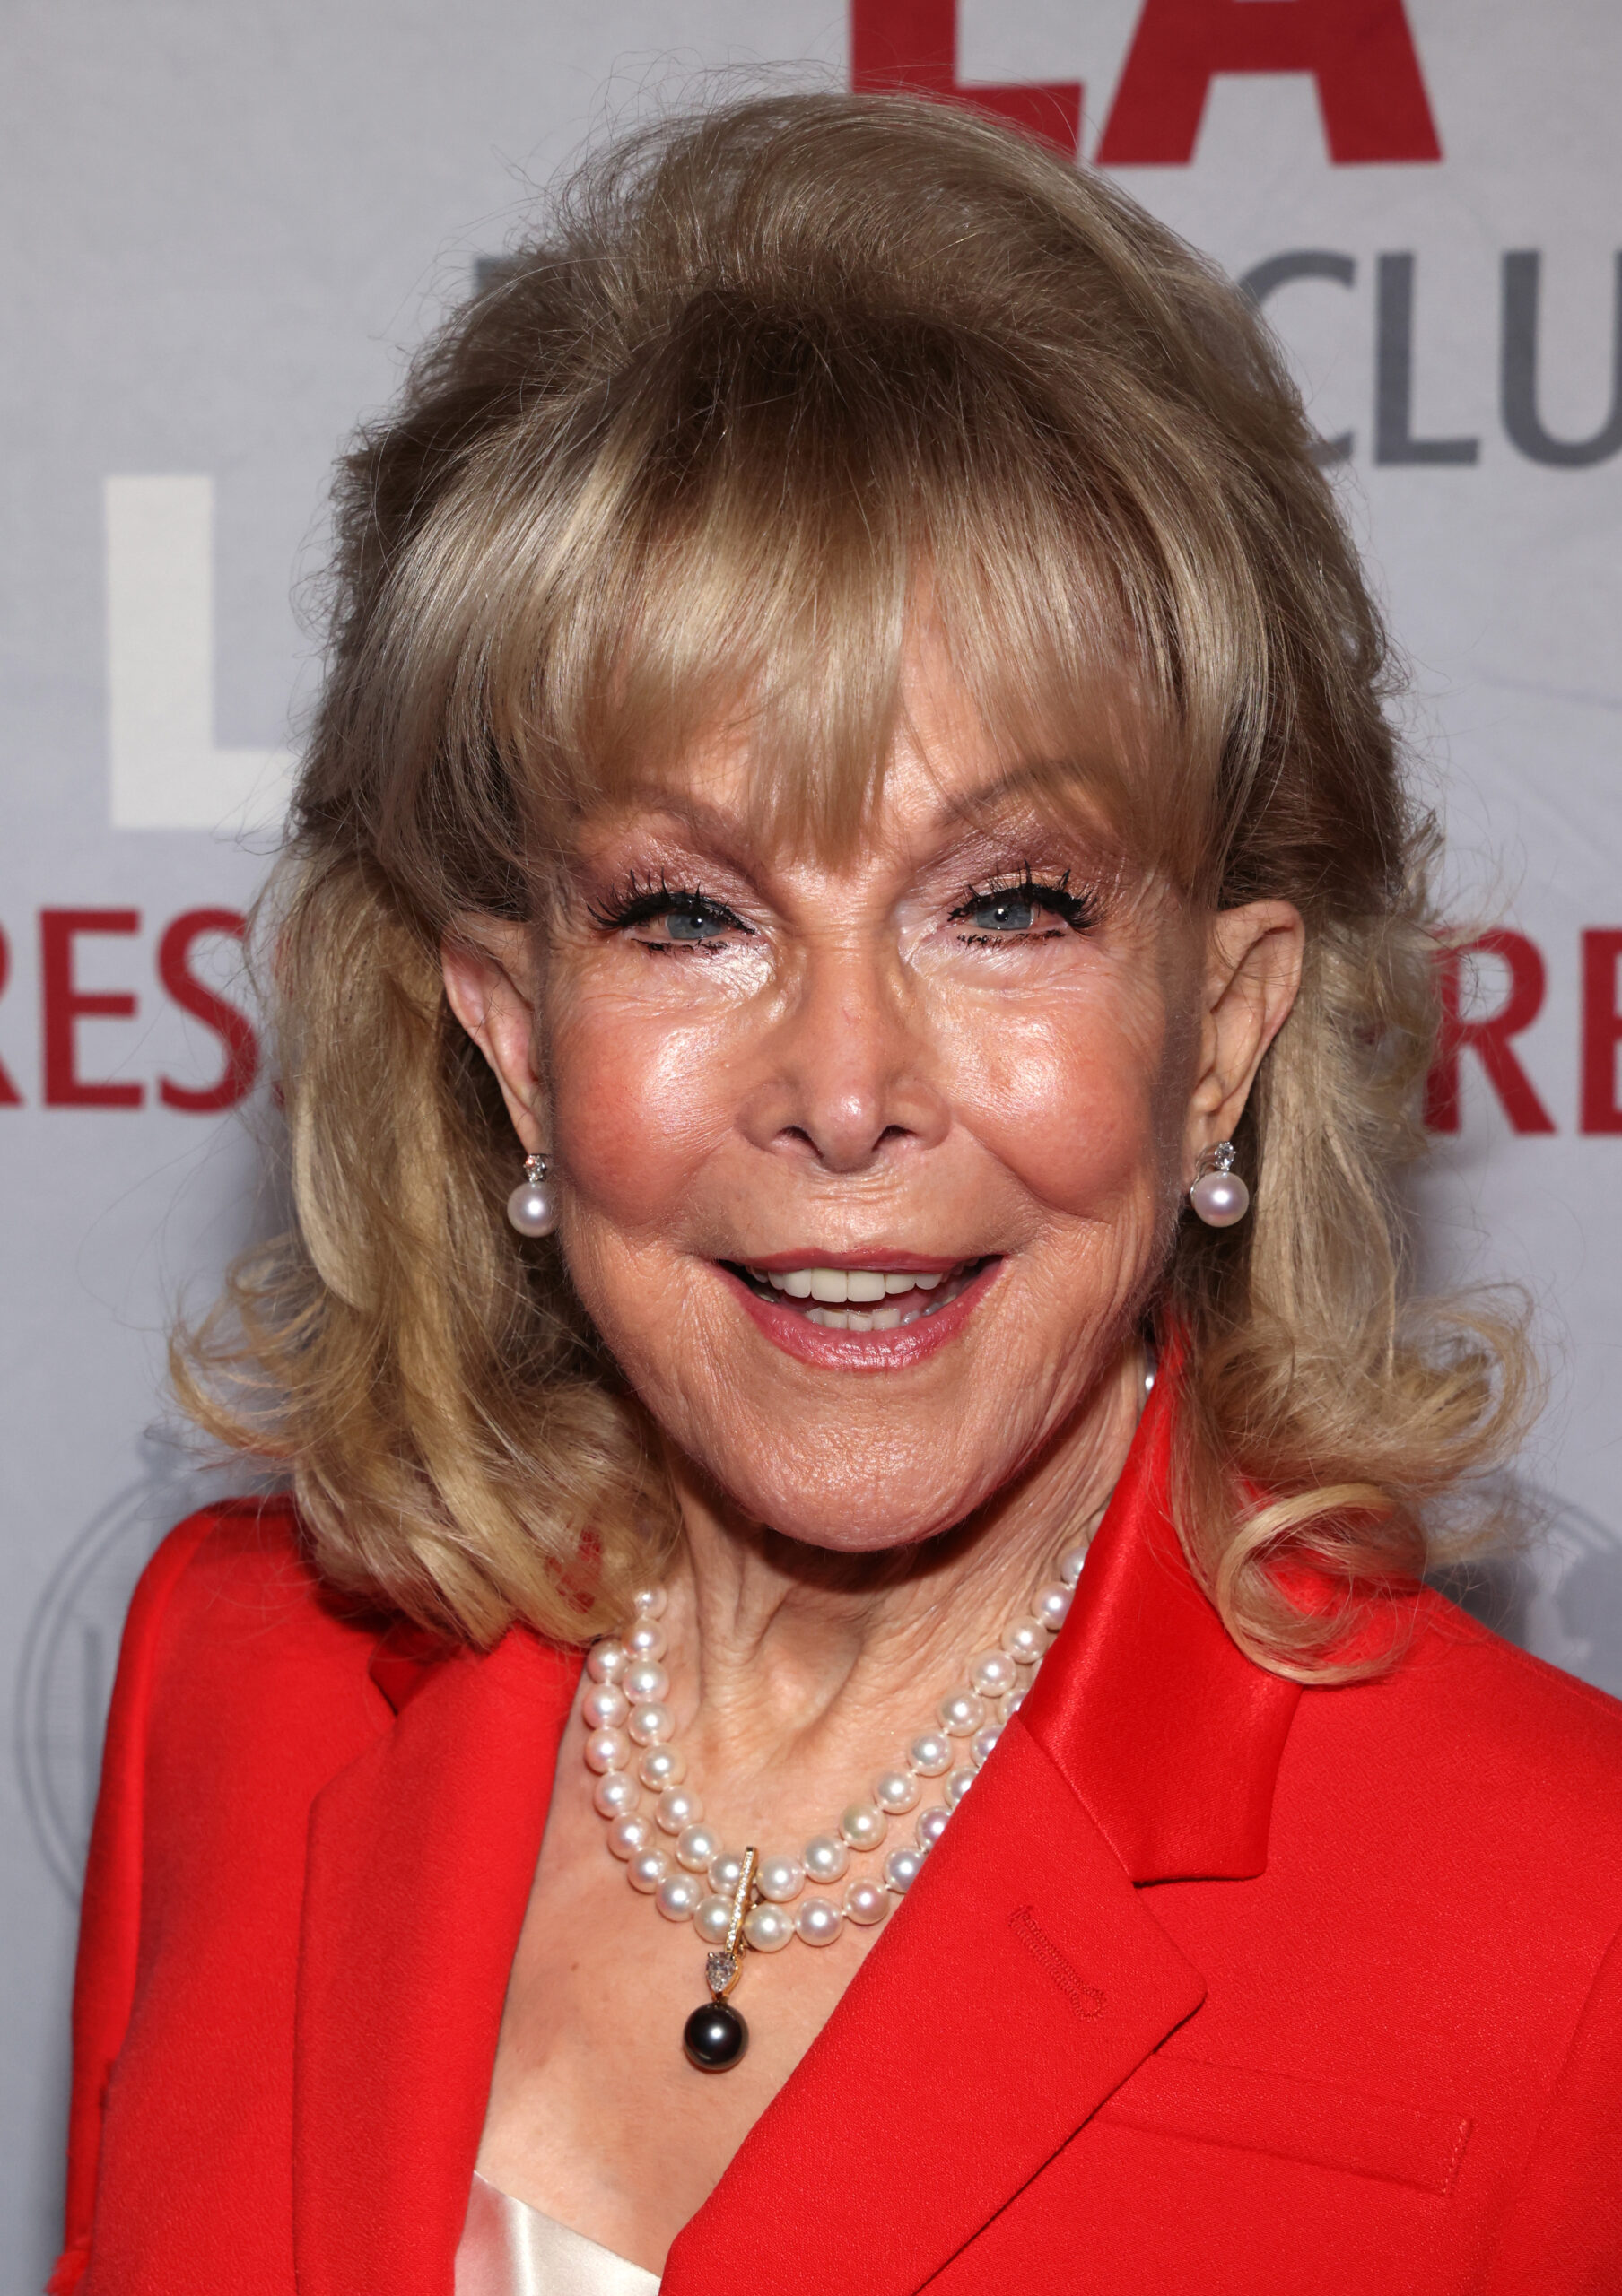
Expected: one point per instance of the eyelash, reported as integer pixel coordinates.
(639, 903)
(1077, 912)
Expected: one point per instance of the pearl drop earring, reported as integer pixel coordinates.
(1218, 1194)
(530, 1207)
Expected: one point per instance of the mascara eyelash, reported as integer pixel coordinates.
(1080, 911)
(636, 903)
(631, 903)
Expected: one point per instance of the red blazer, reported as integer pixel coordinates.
(1216, 1988)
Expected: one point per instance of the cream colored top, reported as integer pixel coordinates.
(509, 2249)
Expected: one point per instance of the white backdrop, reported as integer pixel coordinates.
(224, 224)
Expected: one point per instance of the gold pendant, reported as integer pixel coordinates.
(715, 2036)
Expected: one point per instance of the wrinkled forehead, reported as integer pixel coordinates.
(827, 583)
(945, 782)
(952, 754)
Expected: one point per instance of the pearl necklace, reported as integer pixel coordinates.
(737, 1900)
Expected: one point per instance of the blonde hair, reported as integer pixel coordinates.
(766, 378)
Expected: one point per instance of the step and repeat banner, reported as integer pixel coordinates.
(226, 225)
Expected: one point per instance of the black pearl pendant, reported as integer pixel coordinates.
(715, 2037)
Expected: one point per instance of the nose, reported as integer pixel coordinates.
(849, 1080)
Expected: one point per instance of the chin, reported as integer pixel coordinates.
(849, 1512)
(879, 1535)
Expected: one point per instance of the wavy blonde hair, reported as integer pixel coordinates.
(765, 378)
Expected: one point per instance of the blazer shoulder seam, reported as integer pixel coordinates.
(1569, 1687)
(1457, 1626)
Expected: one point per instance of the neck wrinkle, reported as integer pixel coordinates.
(793, 1670)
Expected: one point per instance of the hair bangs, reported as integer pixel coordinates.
(771, 510)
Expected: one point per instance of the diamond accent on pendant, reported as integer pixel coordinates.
(721, 1973)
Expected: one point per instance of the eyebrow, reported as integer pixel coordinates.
(1031, 773)
(728, 827)
(672, 804)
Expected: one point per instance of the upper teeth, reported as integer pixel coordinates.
(835, 1285)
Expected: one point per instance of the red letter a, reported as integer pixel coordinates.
(913, 44)
(1360, 52)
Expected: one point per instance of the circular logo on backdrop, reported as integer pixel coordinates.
(70, 1651)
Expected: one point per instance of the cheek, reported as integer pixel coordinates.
(637, 1105)
(1080, 1100)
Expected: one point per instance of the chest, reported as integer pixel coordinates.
(595, 2116)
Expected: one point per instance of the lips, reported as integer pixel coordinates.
(888, 1310)
(868, 1298)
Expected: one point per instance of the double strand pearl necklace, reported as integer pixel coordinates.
(738, 1900)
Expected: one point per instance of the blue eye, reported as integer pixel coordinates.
(690, 920)
(1013, 912)
(1008, 912)
(695, 924)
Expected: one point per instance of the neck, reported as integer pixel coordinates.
(797, 1670)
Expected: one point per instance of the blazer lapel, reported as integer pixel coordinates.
(1170, 1735)
(1022, 1958)
(422, 1854)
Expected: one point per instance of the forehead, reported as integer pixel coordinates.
(946, 780)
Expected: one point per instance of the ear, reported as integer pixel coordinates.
(1253, 972)
(489, 967)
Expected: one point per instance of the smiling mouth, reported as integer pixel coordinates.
(858, 1299)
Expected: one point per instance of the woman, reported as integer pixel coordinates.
(852, 972)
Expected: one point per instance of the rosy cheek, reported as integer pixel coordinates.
(1067, 1105)
(633, 1115)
